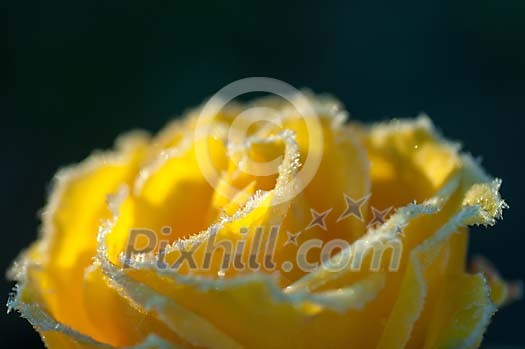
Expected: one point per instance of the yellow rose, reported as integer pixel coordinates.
(198, 238)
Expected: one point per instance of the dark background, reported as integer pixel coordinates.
(78, 73)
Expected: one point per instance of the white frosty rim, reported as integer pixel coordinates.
(276, 87)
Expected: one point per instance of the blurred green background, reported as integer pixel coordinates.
(78, 73)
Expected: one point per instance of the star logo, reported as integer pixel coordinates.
(353, 208)
(399, 229)
(318, 219)
(292, 238)
(379, 216)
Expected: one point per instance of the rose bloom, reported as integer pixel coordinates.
(396, 186)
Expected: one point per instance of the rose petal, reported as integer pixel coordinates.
(462, 314)
(70, 227)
